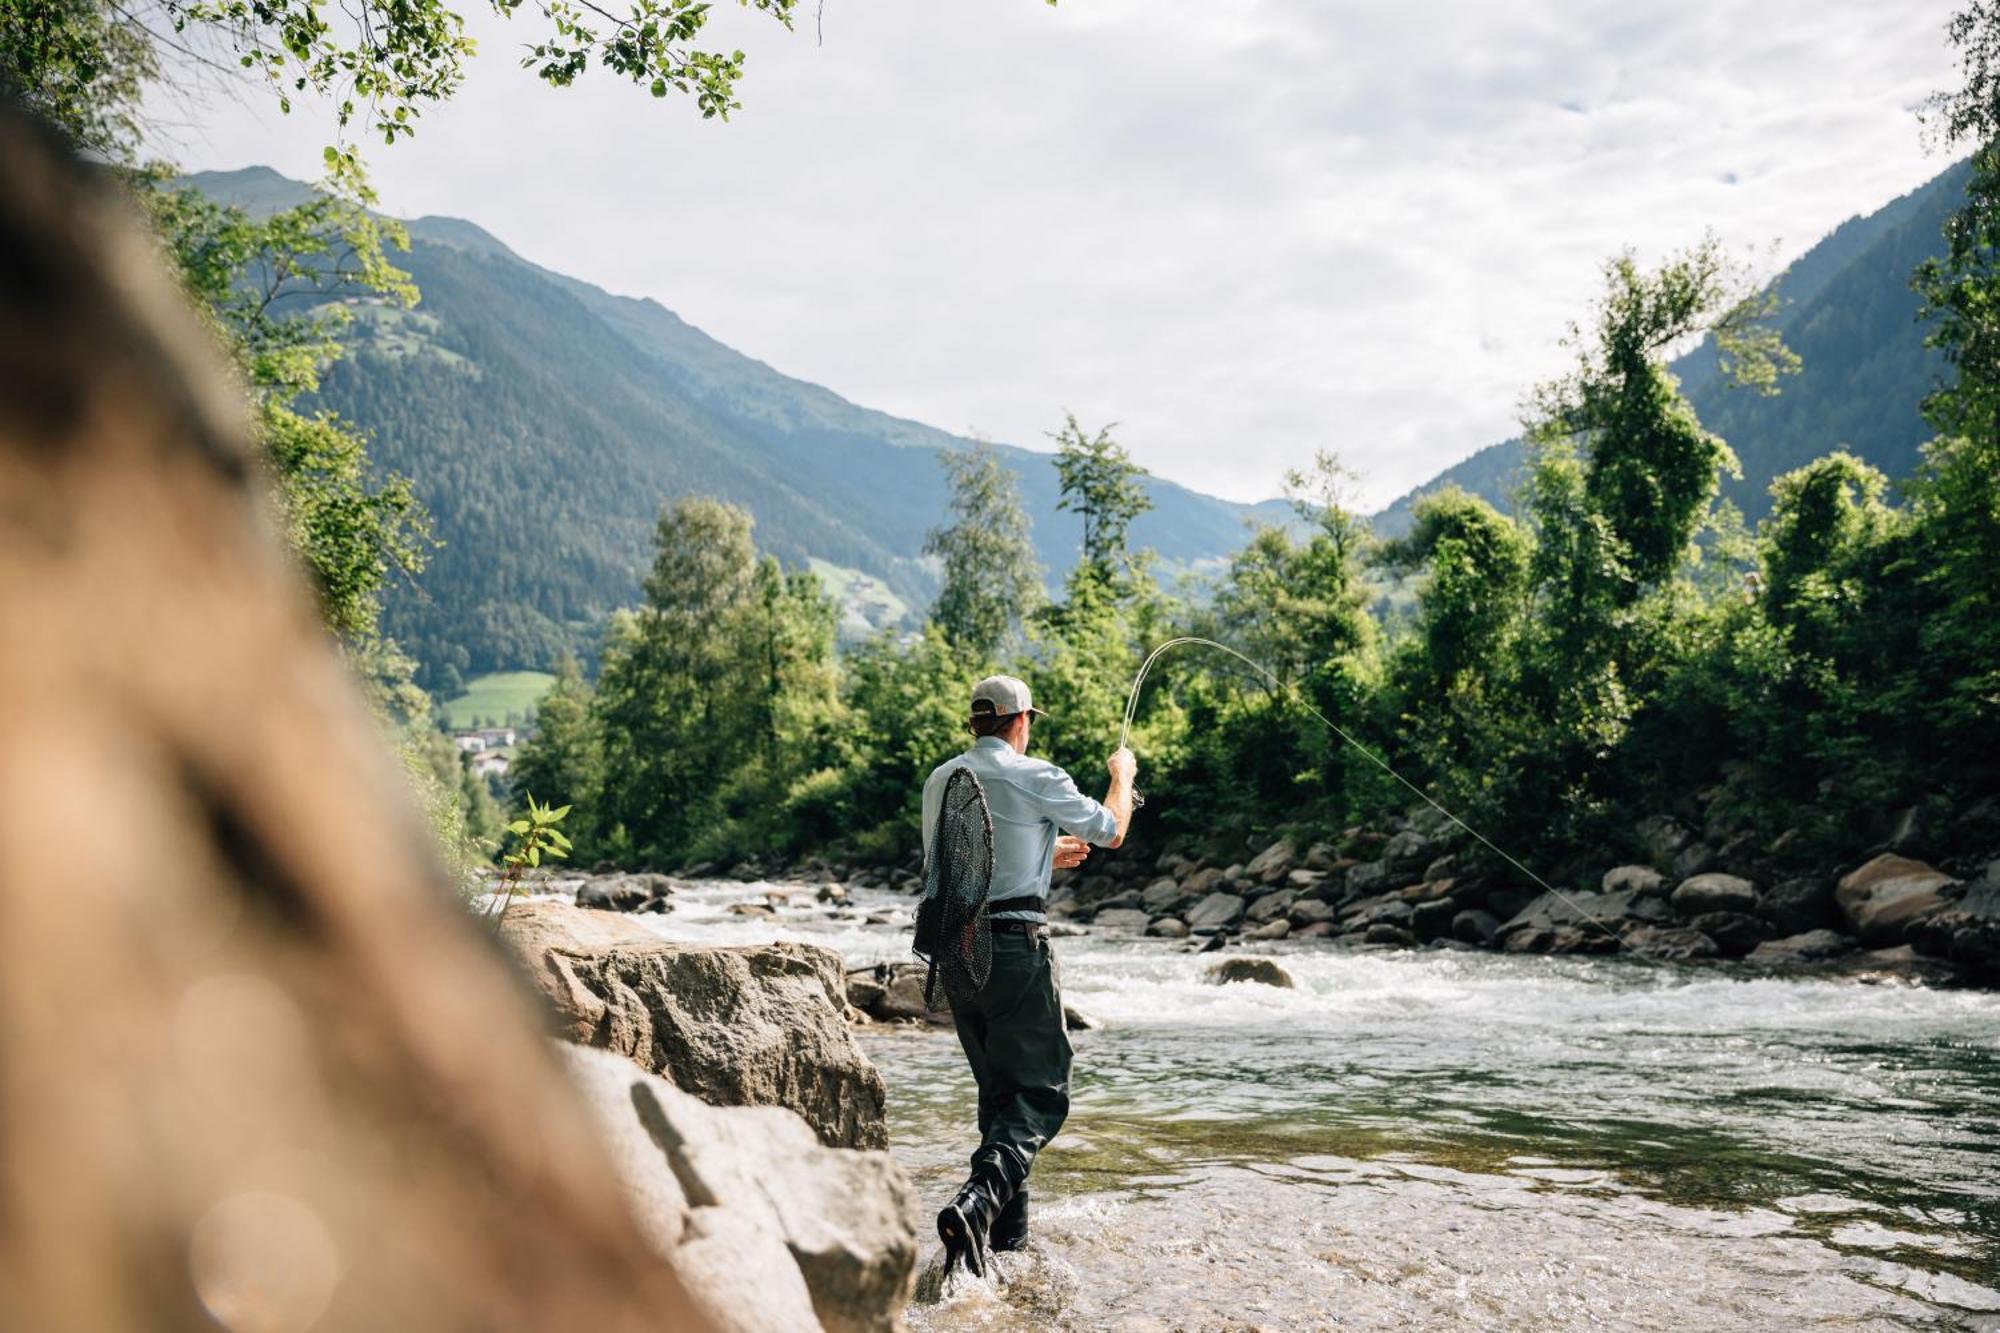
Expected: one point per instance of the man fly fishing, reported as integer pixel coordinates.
(995, 822)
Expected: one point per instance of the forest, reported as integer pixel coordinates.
(1624, 640)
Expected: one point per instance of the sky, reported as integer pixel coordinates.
(1243, 230)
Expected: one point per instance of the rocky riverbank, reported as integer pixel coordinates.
(745, 1123)
(1924, 903)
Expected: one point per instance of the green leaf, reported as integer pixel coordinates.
(519, 826)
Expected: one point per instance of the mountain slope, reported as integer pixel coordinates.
(545, 422)
(1847, 309)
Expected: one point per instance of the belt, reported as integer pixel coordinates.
(1021, 904)
(1032, 929)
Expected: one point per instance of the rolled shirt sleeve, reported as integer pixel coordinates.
(1071, 811)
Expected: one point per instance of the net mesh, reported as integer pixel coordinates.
(953, 934)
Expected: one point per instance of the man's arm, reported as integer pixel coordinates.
(1124, 768)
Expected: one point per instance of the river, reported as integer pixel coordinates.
(1444, 1140)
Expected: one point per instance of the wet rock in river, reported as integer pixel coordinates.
(1886, 896)
(1714, 893)
(1432, 920)
(1669, 943)
(1475, 927)
(1808, 947)
(1121, 918)
(1384, 932)
(623, 893)
(1270, 930)
(1735, 933)
(1800, 904)
(1259, 971)
(1168, 928)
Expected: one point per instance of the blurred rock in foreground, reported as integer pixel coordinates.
(258, 1068)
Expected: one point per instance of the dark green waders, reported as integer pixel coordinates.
(1018, 1046)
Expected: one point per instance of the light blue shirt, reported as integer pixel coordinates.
(1030, 801)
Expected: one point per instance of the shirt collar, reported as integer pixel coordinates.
(992, 743)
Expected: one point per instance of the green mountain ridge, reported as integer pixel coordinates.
(1846, 307)
(545, 421)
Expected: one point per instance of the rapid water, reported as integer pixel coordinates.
(1434, 1140)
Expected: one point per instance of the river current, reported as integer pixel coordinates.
(1444, 1140)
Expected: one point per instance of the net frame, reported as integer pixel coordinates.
(953, 933)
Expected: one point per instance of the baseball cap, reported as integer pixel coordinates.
(1002, 696)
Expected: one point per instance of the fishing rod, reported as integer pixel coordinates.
(1132, 708)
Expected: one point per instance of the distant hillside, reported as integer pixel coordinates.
(1848, 311)
(545, 422)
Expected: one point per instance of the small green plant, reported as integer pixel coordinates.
(534, 838)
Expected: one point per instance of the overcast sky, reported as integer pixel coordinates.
(1243, 229)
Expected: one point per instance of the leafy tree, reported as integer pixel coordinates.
(991, 579)
(1100, 484)
(565, 757)
(1652, 469)
(1472, 604)
(673, 713)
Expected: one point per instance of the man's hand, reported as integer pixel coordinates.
(1124, 765)
(1070, 852)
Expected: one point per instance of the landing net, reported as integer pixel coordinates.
(953, 934)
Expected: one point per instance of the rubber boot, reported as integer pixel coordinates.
(1010, 1227)
(965, 1224)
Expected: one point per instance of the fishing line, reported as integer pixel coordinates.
(1132, 707)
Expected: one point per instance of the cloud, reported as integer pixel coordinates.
(1243, 230)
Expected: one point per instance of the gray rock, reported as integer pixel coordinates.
(1121, 918)
(1305, 881)
(1407, 853)
(740, 1025)
(615, 893)
(769, 1229)
(1432, 920)
(1127, 900)
(1604, 912)
(1910, 833)
(1372, 877)
(1735, 933)
(1214, 912)
(1714, 893)
(1475, 927)
(1203, 882)
(1641, 880)
(1443, 868)
(1316, 930)
(1271, 906)
(1075, 1020)
(1385, 908)
(1322, 856)
(1693, 859)
(1309, 911)
(1884, 897)
(1161, 895)
(1383, 932)
(1798, 905)
(1273, 863)
(1168, 928)
(1807, 947)
(1260, 971)
(1670, 943)
(1270, 930)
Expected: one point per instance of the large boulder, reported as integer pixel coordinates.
(1884, 897)
(1215, 912)
(1968, 931)
(1168, 928)
(747, 1025)
(1475, 927)
(1259, 971)
(1714, 893)
(1162, 895)
(1121, 918)
(894, 993)
(770, 1230)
